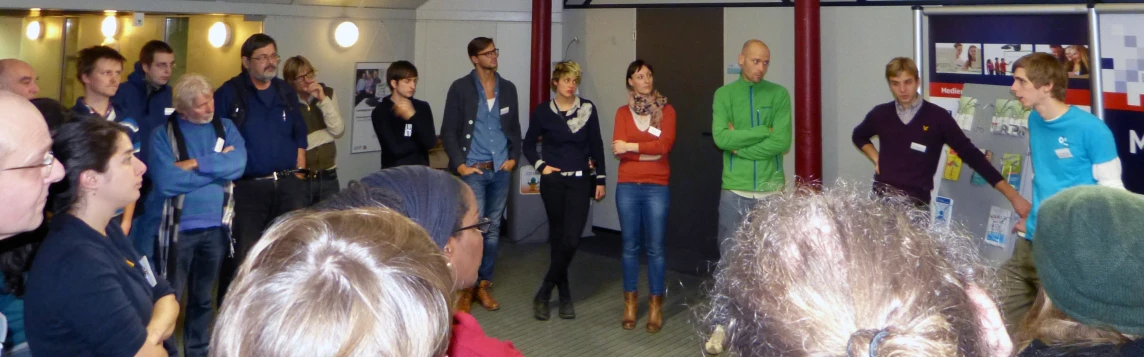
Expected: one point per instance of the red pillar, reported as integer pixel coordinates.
(541, 53)
(808, 93)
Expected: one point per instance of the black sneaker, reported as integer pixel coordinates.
(567, 312)
(540, 309)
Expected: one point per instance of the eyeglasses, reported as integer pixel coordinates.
(482, 226)
(45, 166)
(491, 54)
(165, 66)
(311, 75)
(264, 58)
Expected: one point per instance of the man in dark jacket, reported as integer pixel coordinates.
(146, 97)
(404, 125)
(480, 131)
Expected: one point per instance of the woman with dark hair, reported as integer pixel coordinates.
(89, 293)
(446, 208)
(643, 136)
(572, 168)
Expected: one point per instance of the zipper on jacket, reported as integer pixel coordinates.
(754, 114)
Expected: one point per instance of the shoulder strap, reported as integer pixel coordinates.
(173, 125)
(238, 105)
(219, 130)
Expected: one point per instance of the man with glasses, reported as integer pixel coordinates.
(265, 110)
(324, 123)
(19, 77)
(480, 131)
(404, 125)
(146, 97)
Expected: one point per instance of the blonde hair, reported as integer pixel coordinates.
(360, 282)
(827, 274)
(565, 69)
(901, 65)
(293, 67)
(189, 87)
(1047, 323)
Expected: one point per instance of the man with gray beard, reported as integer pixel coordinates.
(264, 108)
(194, 159)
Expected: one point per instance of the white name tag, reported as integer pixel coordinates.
(218, 145)
(408, 130)
(579, 173)
(918, 147)
(654, 131)
(168, 111)
(147, 273)
(1064, 153)
(504, 110)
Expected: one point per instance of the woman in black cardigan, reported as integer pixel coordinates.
(572, 169)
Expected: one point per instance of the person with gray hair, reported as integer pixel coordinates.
(446, 208)
(19, 77)
(360, 282)
(194, 160)
(838, 273)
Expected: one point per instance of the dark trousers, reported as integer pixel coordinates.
(919, 198)
(323, 185)
(566, 202)
(198, 260)
(257, 203)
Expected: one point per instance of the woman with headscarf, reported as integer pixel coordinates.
(643, 136)
(446, 208)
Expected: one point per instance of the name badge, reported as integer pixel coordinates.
(918, 147)
(504, 110)
(408, 130)
(579, 173)
(147, 273)
(1064, 153)
(168, 111)
(654, 131)
(218, 145)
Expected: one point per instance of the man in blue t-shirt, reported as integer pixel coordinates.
(1069, 147)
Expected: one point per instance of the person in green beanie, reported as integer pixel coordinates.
(1089, 256)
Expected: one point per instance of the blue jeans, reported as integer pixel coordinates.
(197, 264)
(643, 222)
(491, 189)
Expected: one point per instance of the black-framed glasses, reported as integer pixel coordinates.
(45, 166)
(309, 75)
(482, 225)
(264, 58)
(490, 54)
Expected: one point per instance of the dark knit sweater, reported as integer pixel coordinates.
(909, 169)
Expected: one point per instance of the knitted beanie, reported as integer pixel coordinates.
(432, 198)
(1089, 254)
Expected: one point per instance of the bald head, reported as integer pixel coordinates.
(754, 60)
(18, 77)
(24, 144)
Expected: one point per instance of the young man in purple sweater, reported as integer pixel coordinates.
(911, 132)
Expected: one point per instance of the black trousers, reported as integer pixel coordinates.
(257, 203)
(323, 185)
(566, 202)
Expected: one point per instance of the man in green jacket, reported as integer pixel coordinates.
(751, 123)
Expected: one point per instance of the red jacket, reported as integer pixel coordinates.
(631, 168)
(469, 340)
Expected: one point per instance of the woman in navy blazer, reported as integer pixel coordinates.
(89, 293)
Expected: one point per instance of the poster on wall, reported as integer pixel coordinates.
(369, 89)
(1122, 56)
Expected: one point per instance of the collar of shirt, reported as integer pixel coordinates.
(152, 88)
(570, 112)
(481, 87)
(906, 113)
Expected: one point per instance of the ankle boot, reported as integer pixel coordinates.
(540, 308)
(655, 313)
(630, 306)
(567, 311)
(465, 300)
(485, 298)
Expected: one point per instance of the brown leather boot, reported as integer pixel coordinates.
(630, 308)
(485, 298)
(465, 300)
(655, 313)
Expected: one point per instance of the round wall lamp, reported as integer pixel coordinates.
(35, 29)
(110, 26)
(218, 35)
(346, 34)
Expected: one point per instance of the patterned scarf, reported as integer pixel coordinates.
(650, 105)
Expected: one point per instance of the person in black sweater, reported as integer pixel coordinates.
(404, 125)
(572, 169)
(911, 134)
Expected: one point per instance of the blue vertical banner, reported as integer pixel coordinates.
(1122, 59)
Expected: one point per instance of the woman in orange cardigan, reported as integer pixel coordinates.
(644, 133)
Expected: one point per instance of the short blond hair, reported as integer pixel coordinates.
(293, 67)
(565, 69)
(832, 273)
(360, 282)
(189, 87)
(900, 65)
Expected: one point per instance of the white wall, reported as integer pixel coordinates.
(380, 41)
(607, 45)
